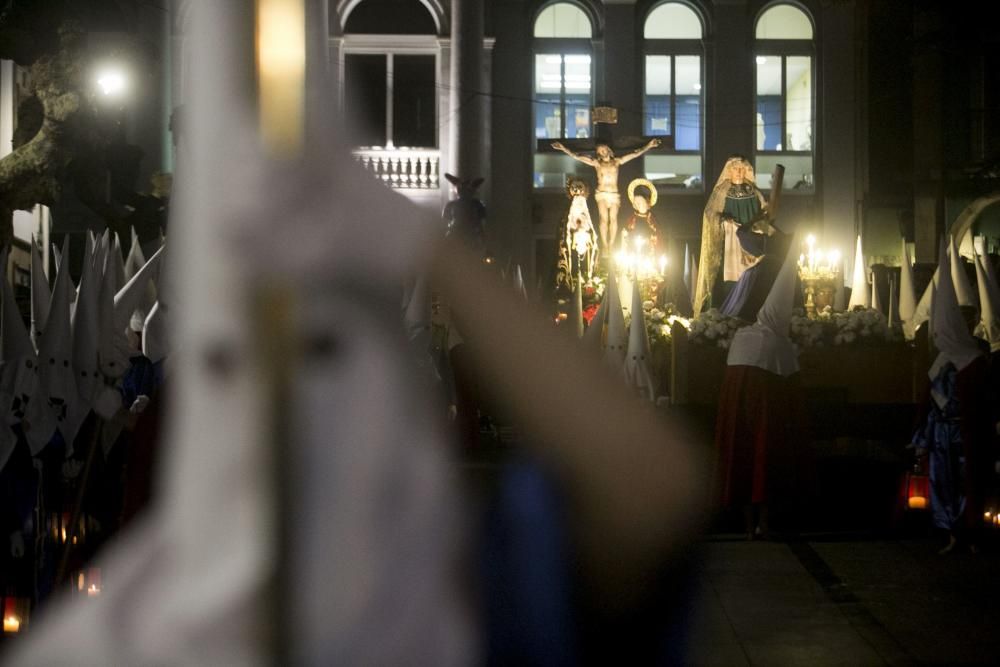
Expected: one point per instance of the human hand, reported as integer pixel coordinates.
(656, 141)
(558, 146)
(141, 403)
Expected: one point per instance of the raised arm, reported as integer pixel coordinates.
(586, 159)
(653, 143)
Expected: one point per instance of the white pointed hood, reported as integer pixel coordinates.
(638, 375)
(765, 344)
(129, 297)
(907, 298)
(55, 354)
(989, 305)
(41, 293)
(135, 259)
(959, 278)
(85, 328)
(18, 366)
(860, 293)
(951, 334)
(616, 338)
(922, 313)
(113, 347)
(155, 334)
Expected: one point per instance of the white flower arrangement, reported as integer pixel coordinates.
(862, 327)
(714, 328)
(659, 323)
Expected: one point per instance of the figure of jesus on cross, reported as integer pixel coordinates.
(606, 194)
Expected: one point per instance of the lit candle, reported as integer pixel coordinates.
(917, 502)
(93, 591)
(663, 264)
(11, 624)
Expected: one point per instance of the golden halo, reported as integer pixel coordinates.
(636, 183)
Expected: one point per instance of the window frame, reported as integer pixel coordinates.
(389, 46)
(560, 46)
(784, 49)
(674, 47)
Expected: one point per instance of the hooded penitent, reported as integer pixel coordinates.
(860, 294)
(85, 326)
(952, 338)
(963, 290)
(765, 344)
(18, 367)
(194, 576)
(989, 305)
(615, 340)
(133, 293)
(637, 357)
(55, 353)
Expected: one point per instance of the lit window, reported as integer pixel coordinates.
(785, 93)
(563, 20)
(673, 100)
(563, 90)
(784, 22)
(672, 20)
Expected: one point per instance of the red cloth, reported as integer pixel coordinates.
(757, 430)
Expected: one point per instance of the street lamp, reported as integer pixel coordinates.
(111, 81)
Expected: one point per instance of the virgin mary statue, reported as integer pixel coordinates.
(735, 204)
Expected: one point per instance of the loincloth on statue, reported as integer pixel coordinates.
(608, 198)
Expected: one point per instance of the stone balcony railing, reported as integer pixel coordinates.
(402, 168)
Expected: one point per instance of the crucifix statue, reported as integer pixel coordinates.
(605, 164)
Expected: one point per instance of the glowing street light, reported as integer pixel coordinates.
(111, 81)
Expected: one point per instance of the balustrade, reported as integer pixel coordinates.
(402, 168)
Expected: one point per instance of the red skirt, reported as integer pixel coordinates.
(758, 427)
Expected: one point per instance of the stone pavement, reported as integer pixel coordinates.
(871, 602)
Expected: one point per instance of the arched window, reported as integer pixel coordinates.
(673, 101)
(563, 87)
(785, 99)
(390, 82)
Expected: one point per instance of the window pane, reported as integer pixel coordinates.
(414, 121)
(577, 96)
(784, 22)
(672, 20)
(798, 103)
(682, 172)
(688, 110)
(656, 118)
(798, 172)
(552, 169)
(365, 98)
(548, 86)
(769, 103)
(563, 20)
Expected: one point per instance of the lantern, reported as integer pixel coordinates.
(918, 489)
